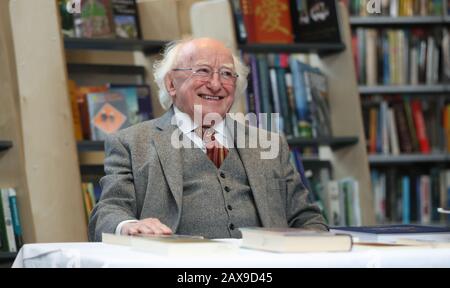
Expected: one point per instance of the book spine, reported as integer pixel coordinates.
(405, 200)
(3, 234)
(8, 221)
(15, 217)
(422, 138)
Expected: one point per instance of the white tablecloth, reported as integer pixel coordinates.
(104, 255)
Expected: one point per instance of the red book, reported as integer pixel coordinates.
(272, 21)
(248, 17)
(417, 113)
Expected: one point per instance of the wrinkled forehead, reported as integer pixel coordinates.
(211, 55)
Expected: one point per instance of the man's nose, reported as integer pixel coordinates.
(214, 83)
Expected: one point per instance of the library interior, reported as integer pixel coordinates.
(358, 90)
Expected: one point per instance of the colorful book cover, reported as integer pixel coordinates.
(15, 217)
(95, 20)
(145, 106)
(272, 21)
(126, 19)
(111, 111)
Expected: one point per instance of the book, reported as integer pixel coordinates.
(15, 217)
(315, 21)
(95, 20)
(126, 19)
(172, 245)
(394, 233)
(7, 217)
(294, 240)
(111, 111)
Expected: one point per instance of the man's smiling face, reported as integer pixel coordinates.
(187, 89)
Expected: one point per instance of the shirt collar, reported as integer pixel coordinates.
(186, 125)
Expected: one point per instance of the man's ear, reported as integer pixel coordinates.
(170, 87)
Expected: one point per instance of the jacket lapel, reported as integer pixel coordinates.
(170, 157)
(255, 174)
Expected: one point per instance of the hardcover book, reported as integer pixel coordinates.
(172, 245)
(111, 111)
(294, 240)
(95, 20)
(393, 233)
(126, 19)
(315, 21)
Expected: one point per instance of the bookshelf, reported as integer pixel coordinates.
(407, 159)
(145, 46)
(383, 21)
(334, 142)
(5, 145)
(404, 89)
(346, 154)
(320, 48)
(391, 174)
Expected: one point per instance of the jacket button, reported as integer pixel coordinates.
(229, 207)
(222, 175)
(227, 189)
(231, 226)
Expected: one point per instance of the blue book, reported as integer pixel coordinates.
(405, 200)
(394, 233)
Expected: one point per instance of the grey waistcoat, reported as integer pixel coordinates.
(215, 201)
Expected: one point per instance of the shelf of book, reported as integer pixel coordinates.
(106, 69)
(397, 89)
(146, 46)
(7, 256)
(88, 145)
(5, 145)
(320, 48)
(391, 21)
(408, 159)
(334, 142)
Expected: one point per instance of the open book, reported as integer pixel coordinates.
(172, 245)
(294, 240)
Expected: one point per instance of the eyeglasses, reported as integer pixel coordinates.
(205, 73)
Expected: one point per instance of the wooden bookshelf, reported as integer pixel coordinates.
(5, 145)
(88, 145)
(113, 44)
(403, 89)
(384, 21)
(107, 69)
(320, 48)
(406, 159)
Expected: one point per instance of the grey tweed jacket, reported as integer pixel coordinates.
(144, 180)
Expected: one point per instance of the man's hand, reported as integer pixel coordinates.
(151, 226)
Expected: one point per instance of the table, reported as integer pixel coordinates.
(92, 255)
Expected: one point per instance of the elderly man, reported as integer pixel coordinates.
(154, 186)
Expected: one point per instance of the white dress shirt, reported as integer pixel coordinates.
(188, 127)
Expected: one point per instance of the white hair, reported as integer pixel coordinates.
(163, 67)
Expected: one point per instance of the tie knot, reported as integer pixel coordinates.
(206, 133)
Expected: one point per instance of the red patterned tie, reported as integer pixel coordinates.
(214, 150)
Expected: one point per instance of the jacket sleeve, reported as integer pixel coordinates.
(118, 200)
(299, 211)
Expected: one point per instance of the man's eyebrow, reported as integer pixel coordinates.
(226, 65)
